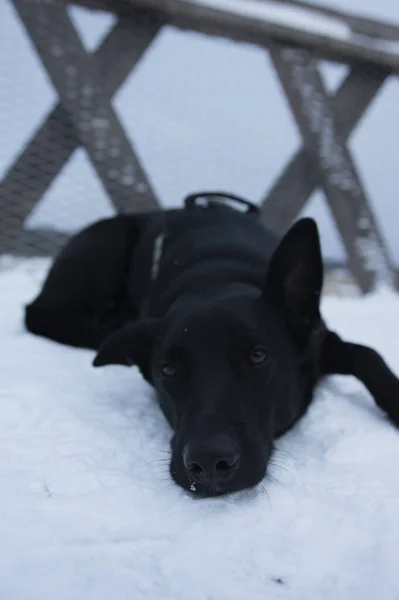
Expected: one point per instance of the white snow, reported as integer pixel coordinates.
(383, 10)
(89, 512)
(87, 508)
(289, 16)
(296, 17)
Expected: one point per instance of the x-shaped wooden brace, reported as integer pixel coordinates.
(325, 124)
(84, 117)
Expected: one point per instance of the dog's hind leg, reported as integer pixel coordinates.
(364, 363)
(83, 299)
(72, 327)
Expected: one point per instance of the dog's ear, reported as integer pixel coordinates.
(295, 276)
(131, 345)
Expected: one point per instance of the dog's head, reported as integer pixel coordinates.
(230, 375)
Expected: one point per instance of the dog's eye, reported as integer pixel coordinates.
(258, 356)
(168, 370)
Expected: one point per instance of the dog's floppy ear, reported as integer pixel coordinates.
(295, 276)
(131, 345)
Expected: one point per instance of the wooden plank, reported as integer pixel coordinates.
(77, 79)
(242, 27)
(52, 145)
(368, 256)
(292, 189)
(359, 25)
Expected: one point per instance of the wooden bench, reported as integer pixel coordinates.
(85, 117)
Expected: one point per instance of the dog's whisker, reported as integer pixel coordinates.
(274, 480)
(156, 461)
(286, 453)
(267, 496)
(279, 466)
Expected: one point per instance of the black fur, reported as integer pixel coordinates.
(221, 319)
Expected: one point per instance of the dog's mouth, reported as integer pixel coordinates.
(245, 479)
(200, 491)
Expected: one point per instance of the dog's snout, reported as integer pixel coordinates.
(212, 460)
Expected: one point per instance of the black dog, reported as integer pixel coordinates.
(221, 319)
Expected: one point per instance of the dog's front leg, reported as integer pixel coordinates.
(364, 363)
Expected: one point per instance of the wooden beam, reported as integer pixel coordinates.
(243, 27)
(372, 28)
(52, 145)
(293, 188)
(363, 26)
(367, 253)
(77, 79)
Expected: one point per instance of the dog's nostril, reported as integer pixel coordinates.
(191, 466)
(214, 459)
(226, 465)
(194, 468)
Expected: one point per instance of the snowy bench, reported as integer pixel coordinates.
(296, 34)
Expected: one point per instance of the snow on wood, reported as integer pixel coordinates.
(255, 21)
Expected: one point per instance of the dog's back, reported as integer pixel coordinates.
(128, 266)
(187, 251)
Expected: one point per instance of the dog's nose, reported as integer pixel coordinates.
(211, 461)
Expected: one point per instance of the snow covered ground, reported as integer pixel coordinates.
(87, 508)
(88, 511)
